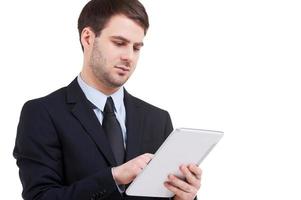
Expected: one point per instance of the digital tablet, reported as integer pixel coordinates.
(182, 146)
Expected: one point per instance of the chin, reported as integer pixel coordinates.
(117, 83)
(120, 80)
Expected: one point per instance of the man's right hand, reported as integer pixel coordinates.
(127, 172)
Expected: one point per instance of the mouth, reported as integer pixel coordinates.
(123, 68)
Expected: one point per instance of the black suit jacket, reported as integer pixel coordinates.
(63, 153)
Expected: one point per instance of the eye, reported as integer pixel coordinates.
(137, 48)
(119, 43)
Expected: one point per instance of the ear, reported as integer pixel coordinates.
(87, 38)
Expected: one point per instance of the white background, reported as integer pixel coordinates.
(225, 65)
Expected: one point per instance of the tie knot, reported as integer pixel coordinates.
(109, 107)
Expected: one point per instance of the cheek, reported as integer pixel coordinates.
(133, 67)
(136, 58)
(111, 54)
(111, 58)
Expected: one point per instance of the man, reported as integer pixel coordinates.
(90, 139)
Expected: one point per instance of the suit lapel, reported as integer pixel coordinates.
(86, 116)
(134, 122)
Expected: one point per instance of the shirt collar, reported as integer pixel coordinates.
(98, 98)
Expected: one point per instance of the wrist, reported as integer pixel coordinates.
(114, 171)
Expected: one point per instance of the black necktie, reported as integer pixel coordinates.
(113, 130)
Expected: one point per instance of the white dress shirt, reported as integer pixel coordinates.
(98, 99)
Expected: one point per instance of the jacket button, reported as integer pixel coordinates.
(93, 197)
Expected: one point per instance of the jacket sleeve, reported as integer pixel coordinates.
(168, 125)
(39, 157)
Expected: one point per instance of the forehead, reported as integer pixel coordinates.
(120, 25)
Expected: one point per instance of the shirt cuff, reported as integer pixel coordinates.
(121, 188)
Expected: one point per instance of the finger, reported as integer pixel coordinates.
(135, 166)
(141, 163)
(149, 156)
(143, 160)
(178, 192)
(195, 170)
(191, 178)
(180, 184)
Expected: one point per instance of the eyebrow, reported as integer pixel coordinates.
(126, 40)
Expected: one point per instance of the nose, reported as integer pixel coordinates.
(128, 55)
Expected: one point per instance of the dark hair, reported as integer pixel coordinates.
(97, 13)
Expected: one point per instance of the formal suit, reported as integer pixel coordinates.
(63, 153)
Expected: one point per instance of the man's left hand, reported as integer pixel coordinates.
(185, 189)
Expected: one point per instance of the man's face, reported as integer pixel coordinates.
(116, 51)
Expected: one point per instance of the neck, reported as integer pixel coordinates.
(95, 83)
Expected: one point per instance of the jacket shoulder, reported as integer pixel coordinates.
(52, 98)
(146, 106)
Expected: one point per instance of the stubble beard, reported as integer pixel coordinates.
(98, 64)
